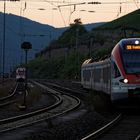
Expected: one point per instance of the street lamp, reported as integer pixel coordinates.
(26, 46)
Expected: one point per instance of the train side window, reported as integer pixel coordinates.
(116, 71)
(86, 75)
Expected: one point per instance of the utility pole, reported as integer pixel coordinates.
(3, 49)
(77, 54)
(90, 46)
(25, 46)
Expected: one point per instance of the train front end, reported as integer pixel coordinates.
(20, 74)
(126, 69)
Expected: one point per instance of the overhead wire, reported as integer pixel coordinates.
(120, 9)
(62, 16)
(59, 9)
(21, 31)
(136, 3)
(59, 4)
(71, 12)
(22, 14)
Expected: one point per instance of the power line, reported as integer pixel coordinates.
(136, 3)
(74, 9)
(72, 4)
(97, 2)
(120, 10)
(62, 16)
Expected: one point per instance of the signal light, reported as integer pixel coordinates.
(26, 45)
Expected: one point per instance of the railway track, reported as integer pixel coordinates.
(138, 137)
(123, 127)
(11, 93)
(12, 96)
(69, 86)
(63, 104)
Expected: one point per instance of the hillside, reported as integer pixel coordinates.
(130, 20)
(19, 29)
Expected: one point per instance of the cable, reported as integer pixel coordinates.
(136, 3)
(62, 16)
(120, 10)
(74, 9)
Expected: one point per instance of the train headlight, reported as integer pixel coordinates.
(136, 42)
(125, 81)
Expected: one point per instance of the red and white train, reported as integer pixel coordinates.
(20, 74)
(119, 75)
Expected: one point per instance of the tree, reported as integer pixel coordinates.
(68, 37)
(78, 21)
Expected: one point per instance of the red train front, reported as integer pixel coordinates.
(119, 75)
(126, 59)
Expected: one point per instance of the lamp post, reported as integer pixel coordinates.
(26, 46)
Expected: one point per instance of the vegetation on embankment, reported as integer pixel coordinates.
(129, 21)
(63, 67)
(60, 68)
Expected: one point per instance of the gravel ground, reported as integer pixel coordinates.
(69, 127)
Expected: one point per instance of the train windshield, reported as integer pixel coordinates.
(131, 60)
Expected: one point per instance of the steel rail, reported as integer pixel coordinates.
(60, 92)
(12, 94)
(138, 137)
(30, 118)
(5, 100)
(23, 116)
(62, 89)
(37, 116)
(103, 129)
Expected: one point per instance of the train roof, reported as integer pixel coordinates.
(90, 62)
(130, 41)
(120, 44)
(124, 42)
(21, 69)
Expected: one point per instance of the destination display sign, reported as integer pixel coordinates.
(132, 47)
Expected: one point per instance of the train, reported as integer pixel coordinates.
(20, 74)
(118, 75)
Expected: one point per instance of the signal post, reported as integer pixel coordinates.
(26, 46)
